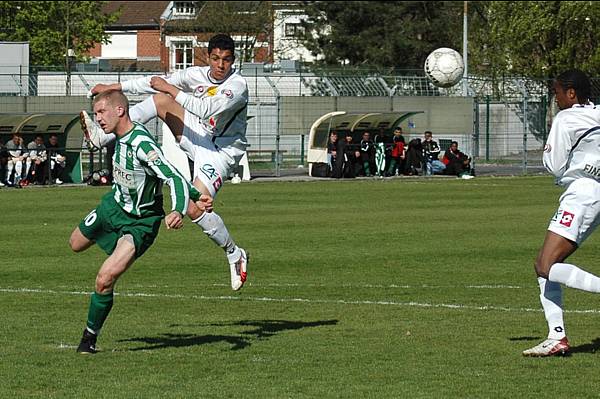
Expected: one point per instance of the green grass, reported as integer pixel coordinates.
(380, 289)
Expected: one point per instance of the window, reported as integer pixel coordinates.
(294, 29)
(183, 55)
(184, 9)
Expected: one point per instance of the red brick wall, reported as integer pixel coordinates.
(148, 43)
(95, 51)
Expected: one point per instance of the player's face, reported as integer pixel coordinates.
(106, 116)
(564, 98)
(220, 63)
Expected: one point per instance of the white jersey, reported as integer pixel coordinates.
(221, 106)
(572, 150)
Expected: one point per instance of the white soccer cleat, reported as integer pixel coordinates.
(92, 132)
(550, 347)
(239, 271)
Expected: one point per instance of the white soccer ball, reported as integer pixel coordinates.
(236, 179)
(444, 67)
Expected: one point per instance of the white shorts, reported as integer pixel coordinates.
(211, 165)
(578, 214)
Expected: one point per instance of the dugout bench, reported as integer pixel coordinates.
(65, 125)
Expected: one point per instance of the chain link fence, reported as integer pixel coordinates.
(511, 116)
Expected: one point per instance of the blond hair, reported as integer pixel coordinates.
(114, 98)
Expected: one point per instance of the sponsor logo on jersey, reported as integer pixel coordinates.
(227, 93)
(211, 91)
(592, 170)
(547, 148)
(567, 218)
(123, 177)
(209, 171)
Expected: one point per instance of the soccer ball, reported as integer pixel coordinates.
(236, 179)
(444, 67)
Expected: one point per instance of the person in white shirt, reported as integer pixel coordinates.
(572, 155)
(205, 109)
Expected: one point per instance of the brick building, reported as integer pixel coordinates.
(167, 35)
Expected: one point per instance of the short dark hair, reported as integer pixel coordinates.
(53, 135)
(223, 42)
(577, 80)
(428, 132)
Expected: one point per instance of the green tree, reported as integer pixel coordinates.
(537, 39)
(396, 34)
(53, 27)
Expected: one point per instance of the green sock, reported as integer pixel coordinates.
(100, 305)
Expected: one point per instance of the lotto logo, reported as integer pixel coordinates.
(567, 218)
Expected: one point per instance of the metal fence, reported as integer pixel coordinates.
(510, 116)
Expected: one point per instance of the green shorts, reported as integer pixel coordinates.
(109, 222)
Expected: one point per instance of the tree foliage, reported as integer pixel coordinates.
(52, 27)
(535, 38)
(396, 34)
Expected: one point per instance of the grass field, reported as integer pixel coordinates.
(403, 288)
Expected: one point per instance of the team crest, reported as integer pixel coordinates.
(228, 93)
(200, 90)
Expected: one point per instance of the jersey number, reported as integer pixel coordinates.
(90, 218)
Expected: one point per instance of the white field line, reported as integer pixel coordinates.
(360, 286)
(296, 300)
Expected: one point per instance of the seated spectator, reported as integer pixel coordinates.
(57, 160)
(16, 156)
(398, 154)
(431, 151)
(457, 163)
(37, 157)
(332, 158)
(351, 157)
(367, 154)
(414, 157)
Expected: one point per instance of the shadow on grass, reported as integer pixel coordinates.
(591, 347)
(263, 330)
(525, 338)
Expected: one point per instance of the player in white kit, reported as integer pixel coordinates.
(572, 154)
(205, 109)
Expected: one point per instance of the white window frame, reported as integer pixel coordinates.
(172, 42)
(184, 9)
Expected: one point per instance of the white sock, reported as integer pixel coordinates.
(574, 277)
(551, 299)
(11, 166)
(18, 170)
(27, 167)
(214, 227)
(144, 111)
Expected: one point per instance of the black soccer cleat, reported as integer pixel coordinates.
(87, 346)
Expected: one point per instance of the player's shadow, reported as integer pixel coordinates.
(591, 347)
(527, 338)
(264, 329)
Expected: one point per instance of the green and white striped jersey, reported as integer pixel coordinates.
(139, 168)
